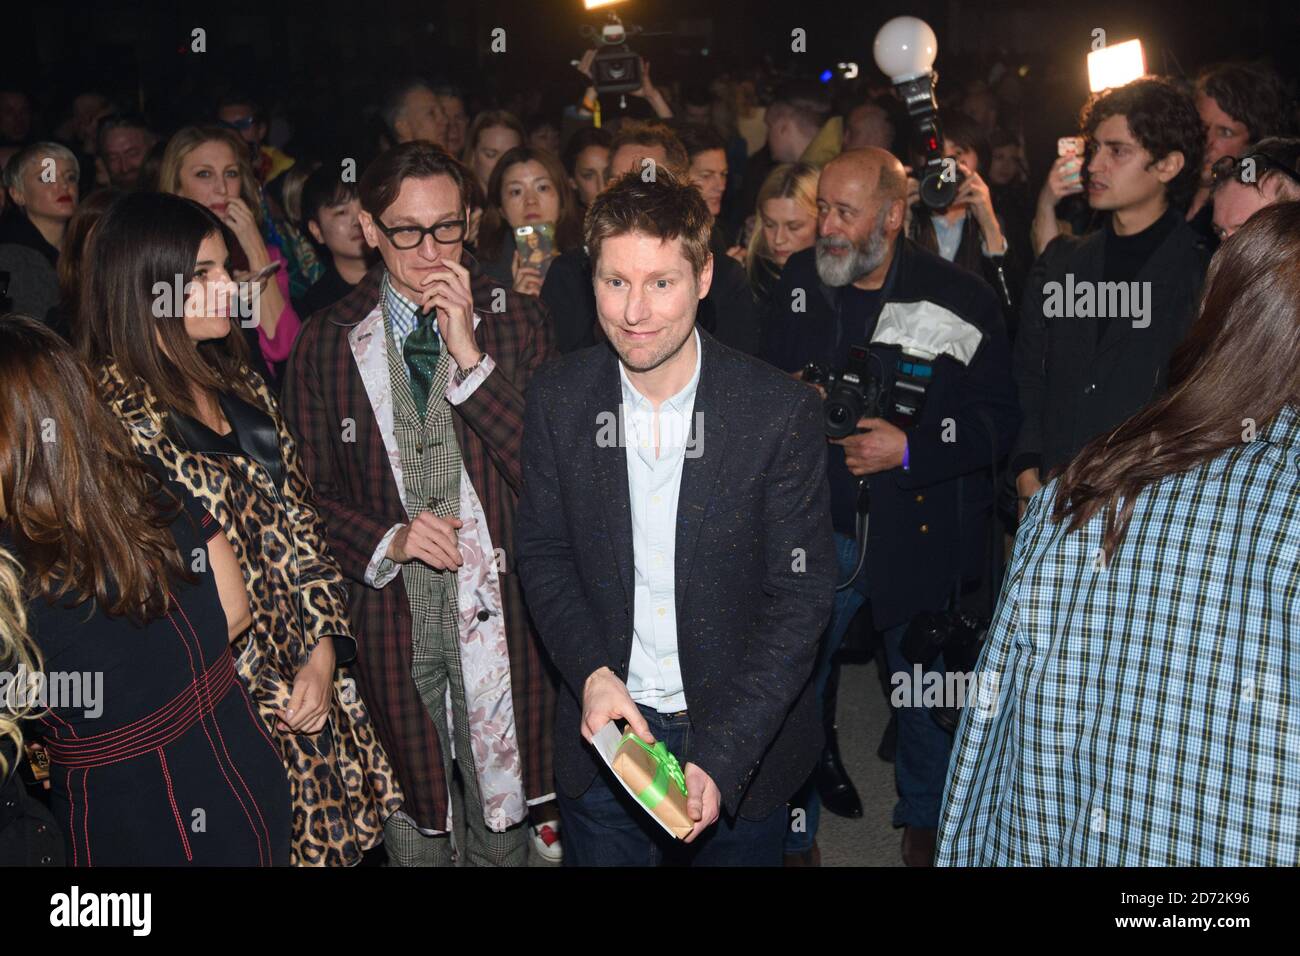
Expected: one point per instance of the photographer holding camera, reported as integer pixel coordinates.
(924, 351)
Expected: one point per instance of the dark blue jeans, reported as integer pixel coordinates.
(803, 827)
(607, 827)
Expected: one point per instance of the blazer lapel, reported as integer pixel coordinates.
(611, 473)
(708, 445)
(370, 351)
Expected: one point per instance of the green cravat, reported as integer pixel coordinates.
(421, 354)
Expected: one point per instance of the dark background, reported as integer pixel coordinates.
(321, 63)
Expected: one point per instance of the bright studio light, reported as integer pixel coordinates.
(1113, 66)
(595, 4)
(905, 48)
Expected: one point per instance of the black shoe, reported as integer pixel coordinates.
(836, 790)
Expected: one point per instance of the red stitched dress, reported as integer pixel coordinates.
(175, 770)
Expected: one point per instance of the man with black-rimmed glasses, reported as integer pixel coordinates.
(406, 398)
(1267, 173)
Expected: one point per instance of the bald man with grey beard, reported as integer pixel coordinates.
(936, 343)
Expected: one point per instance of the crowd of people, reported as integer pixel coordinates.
(304, 456)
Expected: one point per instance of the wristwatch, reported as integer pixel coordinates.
(464, 373)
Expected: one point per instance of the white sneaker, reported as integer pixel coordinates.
(546, 839)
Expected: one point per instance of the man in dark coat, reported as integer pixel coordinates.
(406, 398)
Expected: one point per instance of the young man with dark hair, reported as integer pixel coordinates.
(1102, 314)
(707, 152)
(331, 215)
(627, 549)
(728, 311)
(406, 399)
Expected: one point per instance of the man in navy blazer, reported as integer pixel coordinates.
(675, 547)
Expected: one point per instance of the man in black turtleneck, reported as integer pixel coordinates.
(1101, 315)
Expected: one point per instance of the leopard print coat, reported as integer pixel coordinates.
(341, 783)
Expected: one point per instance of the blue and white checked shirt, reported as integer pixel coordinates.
(1147, 710)
(654, 675)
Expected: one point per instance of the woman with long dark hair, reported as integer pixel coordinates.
(129, 579)
(528, 188)
(1138, 699)
(180, 384)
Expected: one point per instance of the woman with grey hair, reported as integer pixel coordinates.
(42, 185)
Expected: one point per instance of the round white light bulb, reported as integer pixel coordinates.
(905, 48)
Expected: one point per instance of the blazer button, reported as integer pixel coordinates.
(483, 615)
(46, 860)
(920, 498)
(40, 828)
(925, 529)
(1089, 388)
(419, 448)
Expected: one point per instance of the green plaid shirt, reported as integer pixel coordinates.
(1144, 711)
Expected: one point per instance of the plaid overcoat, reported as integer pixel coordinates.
(343, 453)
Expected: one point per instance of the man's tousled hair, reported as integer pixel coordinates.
(666, 208)
(1163, 119)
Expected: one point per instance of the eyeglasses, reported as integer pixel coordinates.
(1230, 167)
(446, 233)
(240, 124)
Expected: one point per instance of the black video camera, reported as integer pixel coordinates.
(939, 176)
(857, 392)
(616, 67)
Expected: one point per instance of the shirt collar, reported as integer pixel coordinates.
(401, 310)
(677, 403)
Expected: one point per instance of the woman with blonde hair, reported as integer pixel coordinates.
(29, 835)
(785, 222)
(210, 165)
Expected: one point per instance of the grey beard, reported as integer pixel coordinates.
(845, 269)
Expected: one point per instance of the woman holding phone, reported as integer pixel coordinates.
(162, 761)
(528, 190)
(181, 386)
(210, 165)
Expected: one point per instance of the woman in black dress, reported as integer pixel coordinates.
(156, 758)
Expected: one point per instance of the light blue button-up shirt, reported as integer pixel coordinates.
(654, 676)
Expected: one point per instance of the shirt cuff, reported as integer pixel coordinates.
(984, 248)
(380, 571)
(456, 394)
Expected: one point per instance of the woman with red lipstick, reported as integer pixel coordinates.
(528, 188)
(42, 183)
(210, 165)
